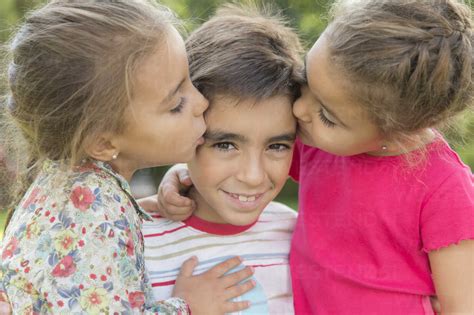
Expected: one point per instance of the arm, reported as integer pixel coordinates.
(453, 275)
(80, 255)
(447, 234)
(169, 203)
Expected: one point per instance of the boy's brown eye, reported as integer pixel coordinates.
(224, 146)
(279, 147)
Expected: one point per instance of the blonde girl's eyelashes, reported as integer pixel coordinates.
(326, 121)
(224, 146)
(179, 106)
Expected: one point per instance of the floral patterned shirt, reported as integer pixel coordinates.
(74, 246)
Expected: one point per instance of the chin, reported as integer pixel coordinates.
(239, 221)
(307, 141)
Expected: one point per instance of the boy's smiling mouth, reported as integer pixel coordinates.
(248, 198)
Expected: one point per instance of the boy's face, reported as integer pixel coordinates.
(245, 160)
(328, 116)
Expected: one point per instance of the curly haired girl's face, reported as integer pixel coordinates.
(328, 115)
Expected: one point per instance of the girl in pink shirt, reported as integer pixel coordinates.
(386, 208)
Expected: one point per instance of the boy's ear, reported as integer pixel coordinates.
(101, 148)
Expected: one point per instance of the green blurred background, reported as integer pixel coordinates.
(309, 17)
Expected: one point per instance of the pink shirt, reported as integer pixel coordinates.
(366, 224)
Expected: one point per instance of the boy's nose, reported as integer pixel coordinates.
(252, 171)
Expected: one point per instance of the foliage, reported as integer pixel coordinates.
(308, 17)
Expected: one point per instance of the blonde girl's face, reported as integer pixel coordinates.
(165, 120)
(245, 160)
(328, 116)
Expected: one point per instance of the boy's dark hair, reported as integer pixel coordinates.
(245, 52)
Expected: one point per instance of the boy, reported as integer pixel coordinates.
(248, 66)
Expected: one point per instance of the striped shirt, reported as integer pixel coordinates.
(264, 245)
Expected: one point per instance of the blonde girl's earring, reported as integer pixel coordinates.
(114, 157)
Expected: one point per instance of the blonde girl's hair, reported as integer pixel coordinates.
(70, 72)
(410, 63)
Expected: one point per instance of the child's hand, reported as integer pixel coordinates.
(171, 204)
(5, 308)
(435, 304)
(210, 293)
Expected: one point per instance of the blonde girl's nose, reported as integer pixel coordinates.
(201, 104)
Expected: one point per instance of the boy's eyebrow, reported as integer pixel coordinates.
(290, 136)
(217, 135)
(173, 92)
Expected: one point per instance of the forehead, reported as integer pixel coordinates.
(248, 116)
(157, 71)
(329, 84)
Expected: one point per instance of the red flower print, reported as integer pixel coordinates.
(31, 198)
(129, 244)
(10, 248)
(28, 287)
(64, 268)
(130, 247)
(136, 299)
(3, 297)
(82, 198)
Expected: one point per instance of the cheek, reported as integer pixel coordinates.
(207, 166)
(329, 139)
(278, 171)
